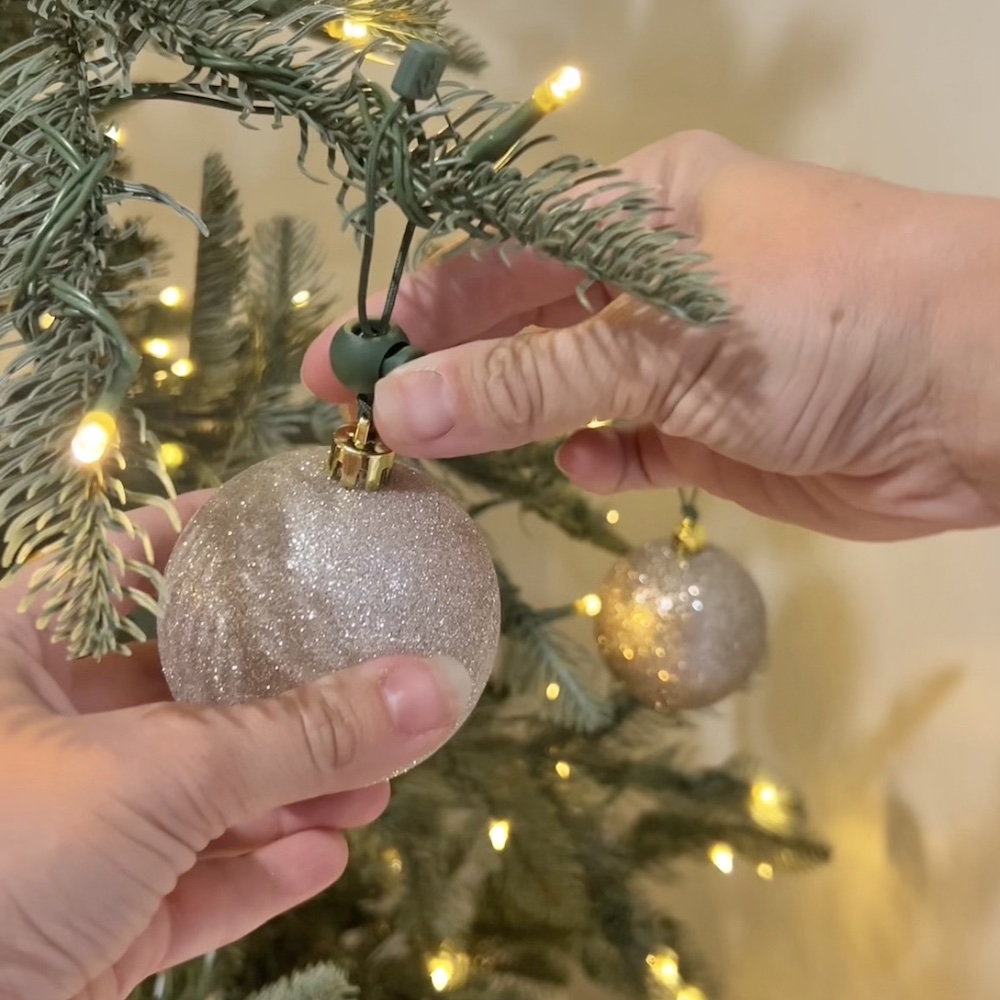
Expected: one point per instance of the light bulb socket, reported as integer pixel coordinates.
(498, 142)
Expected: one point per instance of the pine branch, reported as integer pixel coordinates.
(286, 298)
(219, 339)
(321, 982)
(466, 54)
(529, 477)
(602, 229)
(535, 656)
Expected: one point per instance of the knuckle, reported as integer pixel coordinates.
(512, 389)
(331, 729)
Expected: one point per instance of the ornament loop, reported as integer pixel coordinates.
(359, 459)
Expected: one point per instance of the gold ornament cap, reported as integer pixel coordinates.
(359, 460)
(690, 537)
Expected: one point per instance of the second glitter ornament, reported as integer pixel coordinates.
(682, 624)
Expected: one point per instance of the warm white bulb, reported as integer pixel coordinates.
(157, 347)
(301, 299)
(393, 860)
(440, 977)
(765, 871)
(499, 832)
(589, 605)
(173, 454)
(448, 970)
(691, 993)
(771, 806)
(722, 856)
(558, 88)
(665, 967)
(171, 297)
(116, 134)
(553, 691)
(563, 770)
(346, 30)
(182, 367)
(45, 321)
(613, 517)
(93, 438)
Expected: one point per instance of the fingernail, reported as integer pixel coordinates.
(414, 406)
(424, 695)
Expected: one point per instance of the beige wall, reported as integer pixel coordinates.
(897, 755)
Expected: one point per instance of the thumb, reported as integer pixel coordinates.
(355, 728)
(541, 384)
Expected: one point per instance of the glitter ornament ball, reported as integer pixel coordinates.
(680, 630)
(286, 576)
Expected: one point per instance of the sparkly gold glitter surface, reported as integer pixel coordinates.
(285, 576)
(680, 631)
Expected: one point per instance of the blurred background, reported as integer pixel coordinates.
(879, 701)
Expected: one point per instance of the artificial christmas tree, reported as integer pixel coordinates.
(514, 858)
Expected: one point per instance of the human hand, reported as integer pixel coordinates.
(136, 833)
(853, 391)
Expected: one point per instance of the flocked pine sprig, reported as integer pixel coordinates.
(321, 982)
(54, 186)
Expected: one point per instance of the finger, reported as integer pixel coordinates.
(356, 728)
(608, 460)
(343, 811)
(612, 461)
(219, 901)
(501, 394)
(117, 682)
(472, 296)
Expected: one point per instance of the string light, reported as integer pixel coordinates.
(116, 134)
(765, 871)
(94, 437)
(613, 517)
(549, 96)
(499, 832)
(665, 967)
(156, 347)
(182, 367)
(722, 856)
(171, 297)
(559, 88)
(393, 860)
(301, 299)
(45, 321)
(563, 770)
(346, 30)
(448, 969)
(172, 454)
(553, 691)
(691, 993)
(771, 806)
(589, 605)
